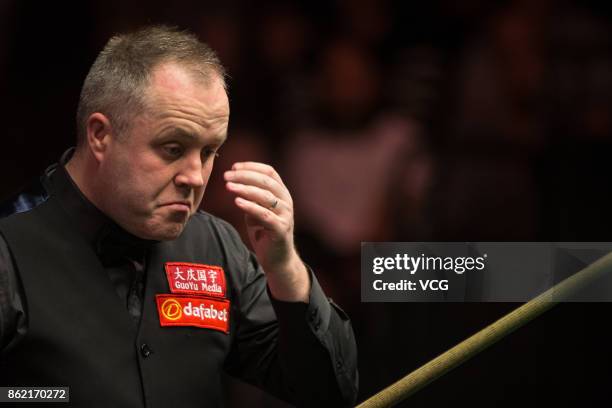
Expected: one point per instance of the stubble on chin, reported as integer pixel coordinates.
(166, 230)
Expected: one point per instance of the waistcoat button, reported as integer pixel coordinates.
(145, 350)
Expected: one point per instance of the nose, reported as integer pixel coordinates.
(191, 174)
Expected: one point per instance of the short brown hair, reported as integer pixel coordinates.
(117, 80)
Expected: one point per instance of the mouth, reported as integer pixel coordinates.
(178, 206)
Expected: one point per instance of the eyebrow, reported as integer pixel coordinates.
(185, 134)
(178, 132)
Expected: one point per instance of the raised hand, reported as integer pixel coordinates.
(268, 208)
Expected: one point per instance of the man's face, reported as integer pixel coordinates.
(154, 176)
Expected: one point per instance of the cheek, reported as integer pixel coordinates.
(206, 173)
(139, 183)
(150, 176)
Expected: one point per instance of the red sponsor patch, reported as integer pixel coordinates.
(178, 310)
(196, 279)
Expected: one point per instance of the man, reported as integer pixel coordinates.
(114, 284)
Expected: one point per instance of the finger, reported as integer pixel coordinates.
(252, 193)
(263, 216)
(258, 179)
(260, 168)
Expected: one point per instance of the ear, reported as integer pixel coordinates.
(99, 132)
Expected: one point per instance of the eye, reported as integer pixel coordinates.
(208, 153)
(173, 150)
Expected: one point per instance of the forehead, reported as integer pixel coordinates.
(173, 87)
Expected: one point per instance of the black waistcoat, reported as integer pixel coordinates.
(80, 334)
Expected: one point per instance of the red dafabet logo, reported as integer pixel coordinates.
(203, 312)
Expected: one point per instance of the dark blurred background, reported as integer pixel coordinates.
(389, 121)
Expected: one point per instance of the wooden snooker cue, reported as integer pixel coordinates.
(422, 376)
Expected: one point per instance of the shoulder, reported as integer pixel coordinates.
(31, 196)
(25, 200)
(218, 229)
(220, 238)
(204, 219)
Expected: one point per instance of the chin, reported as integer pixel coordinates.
(163, 232)
(168, 234)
